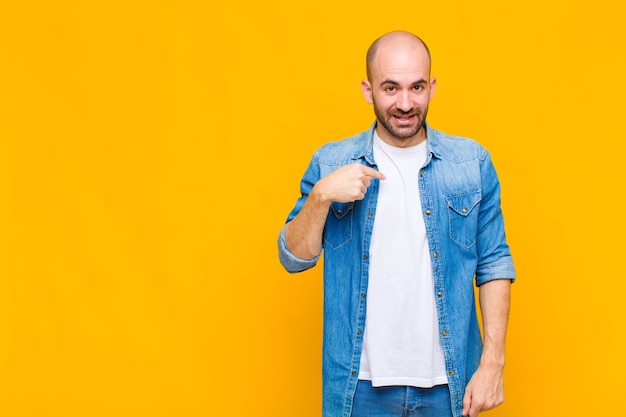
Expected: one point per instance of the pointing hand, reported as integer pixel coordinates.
(346, 184)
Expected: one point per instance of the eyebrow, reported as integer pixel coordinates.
(420, 81)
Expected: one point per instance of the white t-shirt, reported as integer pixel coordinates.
(401, 341)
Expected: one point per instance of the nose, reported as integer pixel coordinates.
(404, 102)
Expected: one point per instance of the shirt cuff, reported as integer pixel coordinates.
(501, 269)
(291, 262)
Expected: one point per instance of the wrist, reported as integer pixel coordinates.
(319, 197)
(492, 360)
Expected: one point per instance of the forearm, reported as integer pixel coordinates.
(485, 389)
(303, 234)
(495, 300)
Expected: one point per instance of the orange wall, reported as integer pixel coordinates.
(151, 150)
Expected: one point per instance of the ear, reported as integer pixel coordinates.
(433, 84)
(366, 88)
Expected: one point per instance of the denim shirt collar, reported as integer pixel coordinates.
(366, 150)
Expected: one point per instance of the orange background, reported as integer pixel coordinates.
(150, 152)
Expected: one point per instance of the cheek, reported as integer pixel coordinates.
(431, 93)
(383, 104)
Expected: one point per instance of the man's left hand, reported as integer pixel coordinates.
(484, 391)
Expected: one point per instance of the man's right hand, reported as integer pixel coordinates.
(346, 184)
(303, 234)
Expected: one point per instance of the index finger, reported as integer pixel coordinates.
(371, 172)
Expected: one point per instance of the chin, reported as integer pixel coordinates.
(405, 134)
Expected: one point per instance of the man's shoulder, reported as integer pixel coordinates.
(341, 151)
(455, 148)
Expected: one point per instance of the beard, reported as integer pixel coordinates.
(386, 118)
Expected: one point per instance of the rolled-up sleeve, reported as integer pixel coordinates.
(494, 255)
(291, 262)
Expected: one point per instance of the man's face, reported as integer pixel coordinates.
(400, 90)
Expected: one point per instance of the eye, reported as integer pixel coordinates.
(418, 87)
(390, 89)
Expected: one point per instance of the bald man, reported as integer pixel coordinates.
(409, 221)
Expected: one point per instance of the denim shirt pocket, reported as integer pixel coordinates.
(463, 217)
(338, 230)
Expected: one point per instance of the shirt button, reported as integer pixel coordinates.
(339, 212)
(358, 333)
(370, 214)
(365, 256)
(464, 210)
(421, 173)
(362, 295)
(439, 294)
(451, 373)
(445, 333)
(435, 255)
(353, 373)
(428, 212)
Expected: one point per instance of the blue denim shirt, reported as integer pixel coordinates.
(460, 195)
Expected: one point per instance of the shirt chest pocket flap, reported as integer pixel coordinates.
(338, 230)
(463, 216)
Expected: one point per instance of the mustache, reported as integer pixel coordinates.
(408, 113)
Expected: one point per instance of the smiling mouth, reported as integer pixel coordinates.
(404, 118)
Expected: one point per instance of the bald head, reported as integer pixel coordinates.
(398, 40)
